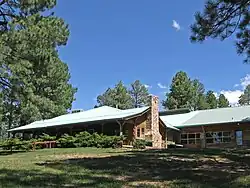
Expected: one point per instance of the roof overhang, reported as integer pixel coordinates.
(42, 124)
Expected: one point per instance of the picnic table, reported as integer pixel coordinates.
(46, 144)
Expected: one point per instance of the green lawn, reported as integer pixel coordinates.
(91, 167)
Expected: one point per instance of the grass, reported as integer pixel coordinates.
(101, 168)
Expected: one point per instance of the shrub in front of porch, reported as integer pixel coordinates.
(85, 139)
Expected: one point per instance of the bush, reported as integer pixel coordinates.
(149, 143)
(85, 139)
(46, 137)
(139, 144)
(16, 144)
(110, 141)
(67, 141)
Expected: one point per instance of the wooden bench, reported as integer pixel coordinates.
(47, 144)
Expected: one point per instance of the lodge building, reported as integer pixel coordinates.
(214, 128)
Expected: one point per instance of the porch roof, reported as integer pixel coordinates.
(209, 117)
(104, 113)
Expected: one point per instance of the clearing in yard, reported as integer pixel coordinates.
(93, 167)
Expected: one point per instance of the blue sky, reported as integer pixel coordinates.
(127, 40)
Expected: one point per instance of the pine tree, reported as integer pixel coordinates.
(211, 100)
(33, 80)
(140, 94)
(221, 19)
(198, 96)
(222, 101)
(180, 95)
(117, 97)
(245, 97)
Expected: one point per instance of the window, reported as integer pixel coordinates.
(138, 132)
(142, 131)
(190, 138)
(218, 137)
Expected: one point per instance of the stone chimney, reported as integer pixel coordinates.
(152, 127)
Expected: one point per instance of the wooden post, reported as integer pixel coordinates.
(121, 126)
(204, 142)
(70, 131)
(102, 127)
(166, 138)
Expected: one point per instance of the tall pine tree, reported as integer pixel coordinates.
(34, 81)
(211, 100)
(245, 97)
(222, 101)
(180, 95)
(221, 19)
(117, 97)
(198, 96)
(140, 94)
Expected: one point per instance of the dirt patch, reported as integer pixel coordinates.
(78, 156)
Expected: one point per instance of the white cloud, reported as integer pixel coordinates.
(147, 86)
(232, 96)
(244, 82)
(216, 95)
(236, 85)
(176, 25)
(161, 86)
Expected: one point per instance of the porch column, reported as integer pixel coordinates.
(70, 131)
(166, 138)
(102, 127)
(121, 126)
(203, 138)
(13, 135)
(134, 130)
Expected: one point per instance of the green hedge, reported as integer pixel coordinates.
(141, 144)
(83, 139)
(16, 144)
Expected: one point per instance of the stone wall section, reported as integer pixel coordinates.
(152, 125)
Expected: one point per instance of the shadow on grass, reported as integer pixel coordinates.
(171, 169)
(149, 168)
(32, 178)
(8, 152)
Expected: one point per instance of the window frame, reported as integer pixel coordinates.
(142, 131)
(138, 130)
(218, 137)
(194, 140)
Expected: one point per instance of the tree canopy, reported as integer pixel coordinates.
(245, 97)
(121, 97)
(211, 100)
(180, 92)
(221, 19)
(187, 93)
(139, 94)
(222, 101)
(198, 101)
(34, 82)
(117, 97)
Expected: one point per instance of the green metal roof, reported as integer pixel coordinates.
(209, 117)
(177, 119)
(97, 114)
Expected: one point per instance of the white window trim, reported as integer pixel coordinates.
(195, 138)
